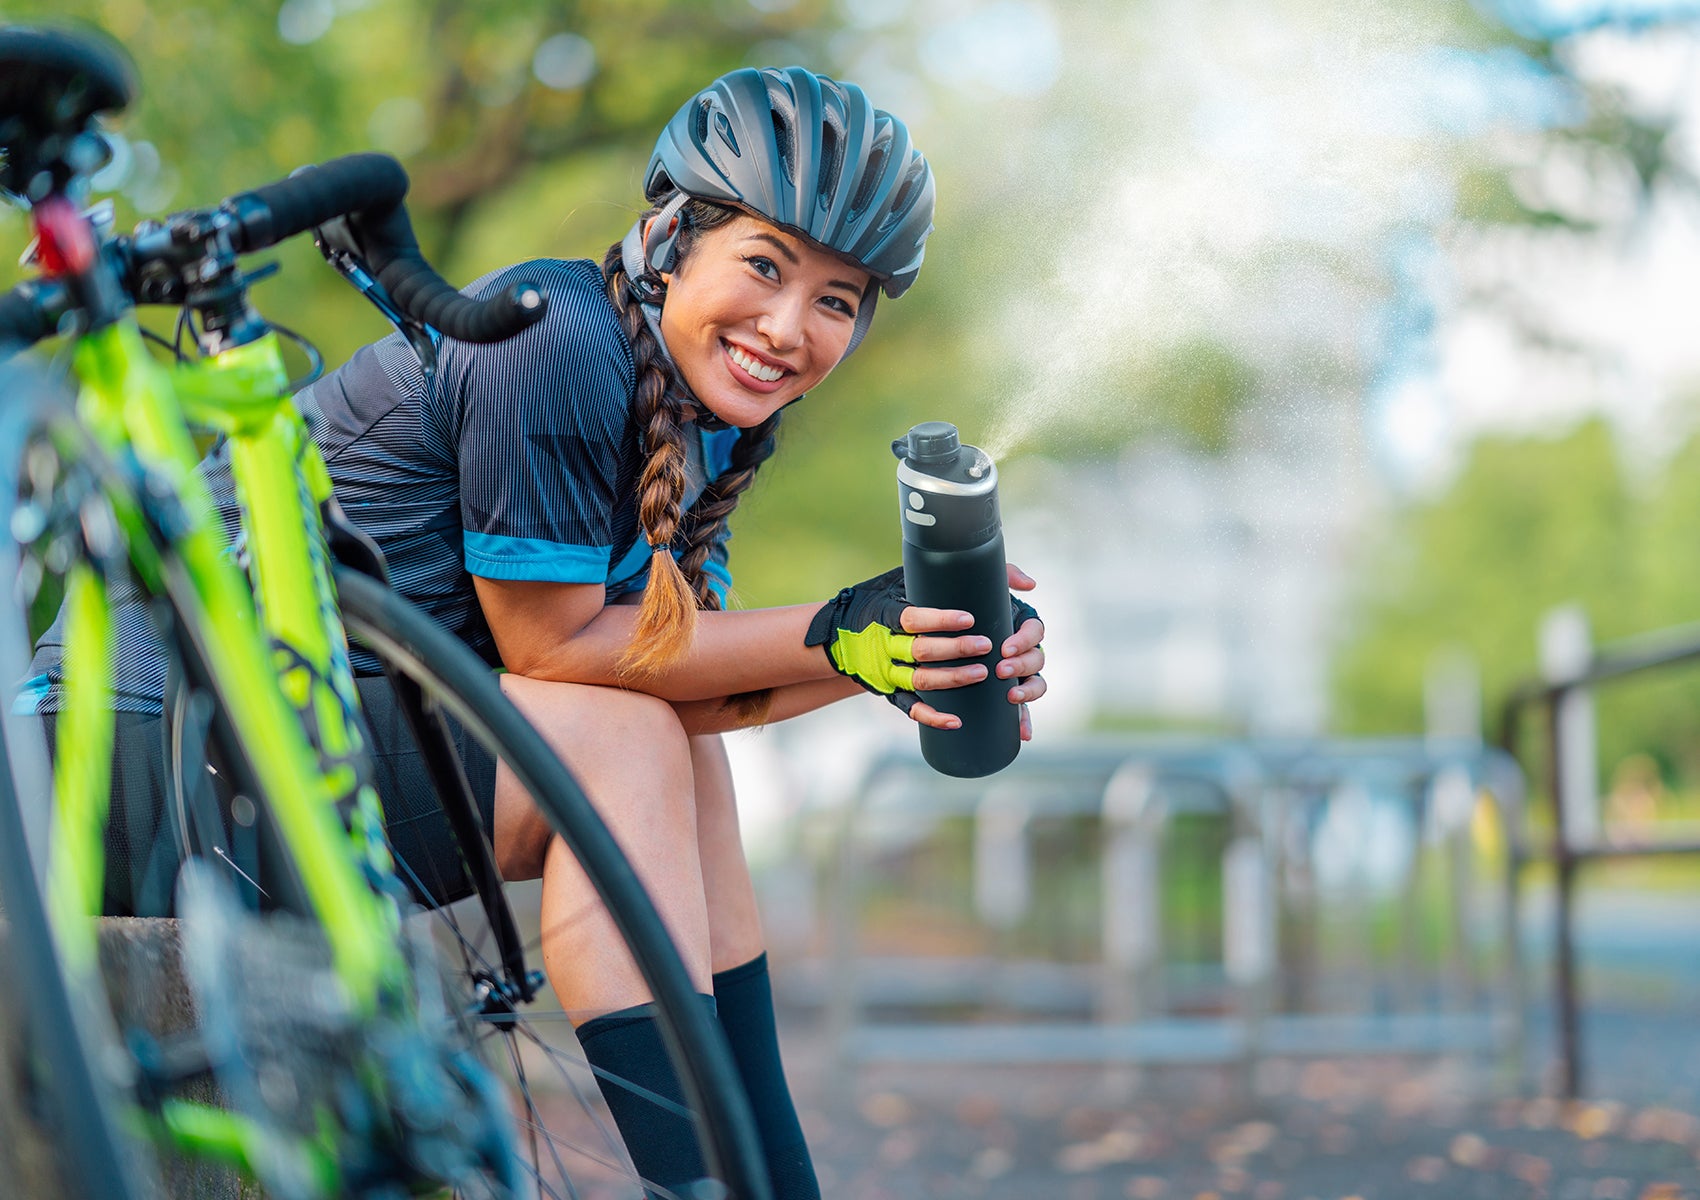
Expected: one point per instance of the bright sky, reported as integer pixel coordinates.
(1630, 296)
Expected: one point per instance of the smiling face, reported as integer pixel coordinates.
(756, 316)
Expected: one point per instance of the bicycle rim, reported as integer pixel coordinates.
(569, 1144)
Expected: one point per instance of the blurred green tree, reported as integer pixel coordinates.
(526, 127)
(555, 101)
(1530, 524)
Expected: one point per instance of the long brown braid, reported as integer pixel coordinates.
(677, 588)
(704, 524)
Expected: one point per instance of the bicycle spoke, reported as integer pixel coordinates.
(532, 1127)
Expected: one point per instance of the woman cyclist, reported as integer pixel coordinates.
(560, 501)
(589, 467)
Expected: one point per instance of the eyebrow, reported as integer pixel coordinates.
(790, 256)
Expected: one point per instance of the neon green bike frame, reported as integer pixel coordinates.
(272, 642)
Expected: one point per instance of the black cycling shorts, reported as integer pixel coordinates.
(142, 840)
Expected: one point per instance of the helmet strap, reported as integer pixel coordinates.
(661, 239)
(864, 318)
(643, 256)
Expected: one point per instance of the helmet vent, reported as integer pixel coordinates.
(900, 200)
(832, 161)
(699, 122)
(784, 144)
(873, 171)
(723, 127)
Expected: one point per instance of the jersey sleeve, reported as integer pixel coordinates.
(544, 429)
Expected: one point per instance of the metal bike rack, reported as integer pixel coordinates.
(1568, 754)
(1122, 1009)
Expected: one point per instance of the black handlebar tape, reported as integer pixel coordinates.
(24, 319)
(314, 195)
(368, 189)
(417, 289)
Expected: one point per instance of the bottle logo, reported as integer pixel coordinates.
(913, 513)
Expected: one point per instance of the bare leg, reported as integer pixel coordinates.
(734, 922)
(633, 759)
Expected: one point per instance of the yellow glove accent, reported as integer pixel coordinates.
(876, 656)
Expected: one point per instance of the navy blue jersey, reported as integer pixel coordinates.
(516, 461)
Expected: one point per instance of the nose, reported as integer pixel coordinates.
(782, 321)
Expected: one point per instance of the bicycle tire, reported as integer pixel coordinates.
(84, 1099)
(464, 686)
(118, 1053)
(76, 1091)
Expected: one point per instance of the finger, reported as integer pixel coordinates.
(1022, 665)
(943, 649)
(916, 619)
(926, 714)
(1020, 580)
(1028, 689)
(938, 679)
(1031, 633)
(1026, 724)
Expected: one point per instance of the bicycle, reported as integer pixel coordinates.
(362, 1082)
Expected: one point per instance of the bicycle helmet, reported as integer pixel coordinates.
(805, 152)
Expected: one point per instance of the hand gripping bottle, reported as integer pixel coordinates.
(953, 558)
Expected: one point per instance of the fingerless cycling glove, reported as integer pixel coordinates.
(860, 628)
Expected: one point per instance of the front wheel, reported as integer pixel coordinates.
(570, 1147)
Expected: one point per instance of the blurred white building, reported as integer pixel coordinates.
(1191, 589)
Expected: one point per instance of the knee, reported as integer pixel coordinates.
(627, 750)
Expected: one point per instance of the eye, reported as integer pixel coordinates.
(763, 265)
(839, 304)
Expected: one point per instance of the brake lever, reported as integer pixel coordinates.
(336, 241)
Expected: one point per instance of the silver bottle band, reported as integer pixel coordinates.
(923, 482)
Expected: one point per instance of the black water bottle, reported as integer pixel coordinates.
(953, 558)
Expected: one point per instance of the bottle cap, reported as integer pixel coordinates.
(929, 442)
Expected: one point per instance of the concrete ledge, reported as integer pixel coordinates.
(142, 961)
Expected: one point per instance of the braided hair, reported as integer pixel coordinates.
(677, 588)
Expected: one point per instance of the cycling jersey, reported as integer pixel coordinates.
(516, 461)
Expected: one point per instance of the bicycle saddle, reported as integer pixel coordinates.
(53, 82)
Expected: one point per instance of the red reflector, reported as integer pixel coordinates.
(64, 241)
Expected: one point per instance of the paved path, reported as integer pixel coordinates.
(1324, 1130)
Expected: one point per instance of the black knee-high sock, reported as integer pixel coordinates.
(744, 998)
(627, 1052)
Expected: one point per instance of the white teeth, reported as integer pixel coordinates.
(761, 371)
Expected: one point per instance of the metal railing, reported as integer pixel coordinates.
(1567, 850)
(1264, 804)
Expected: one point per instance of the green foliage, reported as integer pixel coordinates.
(1486, 197)
(227, 103)
(1530, 524)
(506, 167)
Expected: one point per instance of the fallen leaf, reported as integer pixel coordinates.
(1468, 1150)
(1662, 1191)
(1592, 1121)
(975, 1111)
(1426, 1168)
(886, 1110)
(1531, 1169)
